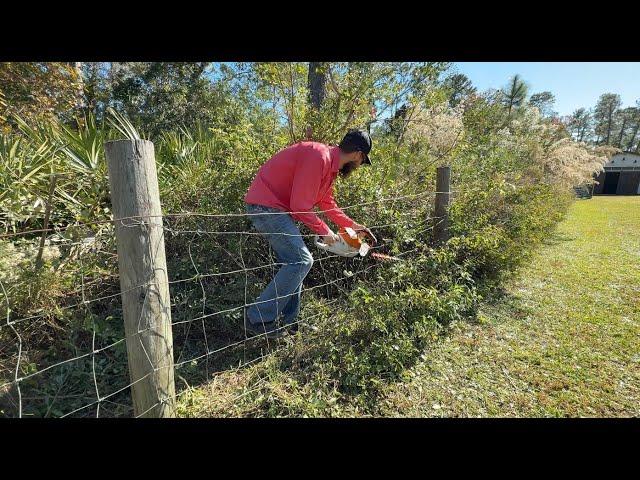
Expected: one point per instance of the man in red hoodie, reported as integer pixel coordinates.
(287, 188)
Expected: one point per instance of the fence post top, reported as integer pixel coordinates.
(128, 140)
(137, 146)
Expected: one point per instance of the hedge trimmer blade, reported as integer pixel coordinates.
(385, 258)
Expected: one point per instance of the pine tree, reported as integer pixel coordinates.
(604, 115)
(544, 102)
(514, 94)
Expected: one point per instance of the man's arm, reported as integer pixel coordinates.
(330, 208)
(337, 216)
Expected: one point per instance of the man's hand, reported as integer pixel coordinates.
(361, 228)
(330, 239)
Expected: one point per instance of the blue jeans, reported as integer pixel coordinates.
(282, 295)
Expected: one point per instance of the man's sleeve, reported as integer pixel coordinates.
(333, 212)
(306, 183)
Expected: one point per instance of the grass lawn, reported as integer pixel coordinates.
(563, 341)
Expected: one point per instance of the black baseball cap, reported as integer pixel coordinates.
(358, 140)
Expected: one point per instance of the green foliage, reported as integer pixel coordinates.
(38, 90)
(505, 203)
(353, 89)
(123, 125)
(459, 86)
(41, 150)
(24, 173)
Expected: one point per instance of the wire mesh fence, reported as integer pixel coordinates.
(63, 344)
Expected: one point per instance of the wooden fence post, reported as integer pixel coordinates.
(441, 213)
(143, 275)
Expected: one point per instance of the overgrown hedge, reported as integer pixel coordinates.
(382, 316)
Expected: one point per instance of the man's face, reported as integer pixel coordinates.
(355, 159)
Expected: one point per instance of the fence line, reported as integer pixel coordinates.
(195, 277)
(262, 357)
(137, 221)
(94, 351)
(214, 215)
(272, 353)
(240, 342)
(141, 331)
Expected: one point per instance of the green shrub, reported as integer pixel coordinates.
(505, 202)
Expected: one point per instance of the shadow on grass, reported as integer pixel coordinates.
(557, 238)
(503, 305)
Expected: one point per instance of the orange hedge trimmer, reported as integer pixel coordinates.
(352, 244)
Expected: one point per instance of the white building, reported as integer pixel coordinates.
(621, 175)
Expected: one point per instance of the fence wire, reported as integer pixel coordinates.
(205, 317)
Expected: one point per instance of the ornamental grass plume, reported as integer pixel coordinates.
(571, 163)
(440, 127)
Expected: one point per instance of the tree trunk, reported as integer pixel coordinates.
(317, 81)
(81, 102)
(610, 121)
(581, 132)
(633, 137)
(624, 124)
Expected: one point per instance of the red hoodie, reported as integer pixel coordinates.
(297, 179)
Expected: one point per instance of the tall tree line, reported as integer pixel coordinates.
(163, 95)
(157, 95)
(607, 123)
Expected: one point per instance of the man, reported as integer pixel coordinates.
(287, 188)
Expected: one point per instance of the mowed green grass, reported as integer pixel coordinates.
(563, 341)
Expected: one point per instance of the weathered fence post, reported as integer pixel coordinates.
(143, 275)
(441, 213)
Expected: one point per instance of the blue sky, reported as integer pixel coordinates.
(575, 84)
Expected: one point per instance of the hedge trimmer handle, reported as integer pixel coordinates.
(364, 230)
(339, 247)
(319, 244)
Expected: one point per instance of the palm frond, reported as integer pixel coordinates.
(122, 124)
(83, 146)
